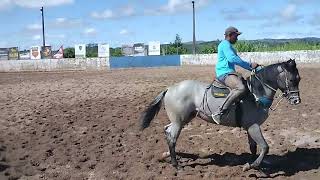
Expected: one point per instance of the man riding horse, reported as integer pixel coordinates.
(226, 73)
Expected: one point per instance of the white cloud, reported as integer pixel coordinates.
(62, 22)
(34, 27)
(175, 6)
(241, 13)
(289, 12)
(124, 32)
(5, 4)
(106, 14)
(58, 23)
(315, 21)
(126, 11)
(90, 31)
(36, 37)
(39, 3)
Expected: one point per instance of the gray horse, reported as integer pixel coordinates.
(188, 99)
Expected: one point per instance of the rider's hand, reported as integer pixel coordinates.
(254, 65)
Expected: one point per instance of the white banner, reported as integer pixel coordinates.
(80, 50)
(127, 49)
(103, 50)
(35, 52)
(154, 48)
(25, 55)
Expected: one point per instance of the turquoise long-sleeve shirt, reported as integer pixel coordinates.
(228, 58)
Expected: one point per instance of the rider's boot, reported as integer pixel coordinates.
(231, 98)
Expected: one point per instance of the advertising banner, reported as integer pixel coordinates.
(103, 50)
(139, 49)
(46, 52)
(80, 50)
(154, 48)
(59, 53)
(4, 53)
(35, 52)
(13, 53)
(127, 49)
(24, 55)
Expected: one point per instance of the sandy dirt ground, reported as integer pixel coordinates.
(84, 125)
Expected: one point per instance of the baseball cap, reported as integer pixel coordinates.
(231, 30)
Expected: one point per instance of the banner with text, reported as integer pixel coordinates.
(127, 50)
(80, 51)
(103, 50)
(139, 49)
(154, 48)
(24, 55)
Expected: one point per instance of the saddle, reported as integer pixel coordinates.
(219, 90)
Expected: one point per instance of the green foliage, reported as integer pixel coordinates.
(92, 50)
(243, 46)
(68, 53)
(292, 46)
(115, 52)
(178, 41)
(208, 49)
(174, 48)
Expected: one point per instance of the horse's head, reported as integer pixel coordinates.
(288, 81)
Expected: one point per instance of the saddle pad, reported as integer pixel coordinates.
(219, 90)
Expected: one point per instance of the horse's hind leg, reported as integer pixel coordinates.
(255, 133)
(172, 132)
(252, 145)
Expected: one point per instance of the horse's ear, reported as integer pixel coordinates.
(291, 64)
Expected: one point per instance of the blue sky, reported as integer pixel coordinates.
(117, 22)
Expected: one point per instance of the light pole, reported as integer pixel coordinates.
(194, 29)
(43, 37)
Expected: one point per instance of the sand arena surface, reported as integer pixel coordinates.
(84, 125)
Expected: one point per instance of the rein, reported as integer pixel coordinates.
(253, 73)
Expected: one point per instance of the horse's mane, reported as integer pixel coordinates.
(269, 71)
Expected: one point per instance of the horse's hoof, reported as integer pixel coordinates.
(178, 168)
(165, 155)
(246, 167)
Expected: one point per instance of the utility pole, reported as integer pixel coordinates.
(194, 29)
(43, 37)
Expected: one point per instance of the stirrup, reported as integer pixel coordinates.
(213, 117)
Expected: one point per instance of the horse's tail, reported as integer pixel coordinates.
(152, 110)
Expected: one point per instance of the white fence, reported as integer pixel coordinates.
(309, 56)
(54, 64)
(201, 59)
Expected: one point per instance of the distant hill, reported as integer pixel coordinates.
(269, 42)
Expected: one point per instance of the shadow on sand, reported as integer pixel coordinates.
(302, 159)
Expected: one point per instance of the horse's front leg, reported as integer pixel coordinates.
(254, 132)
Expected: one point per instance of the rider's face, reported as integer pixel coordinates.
(233, 38)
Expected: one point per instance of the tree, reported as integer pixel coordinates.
(176, 47)
(116, 52)
(178, 41)
(208, 49)
(68, 53)
(92, 50)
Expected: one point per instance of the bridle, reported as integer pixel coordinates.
(285, 93)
